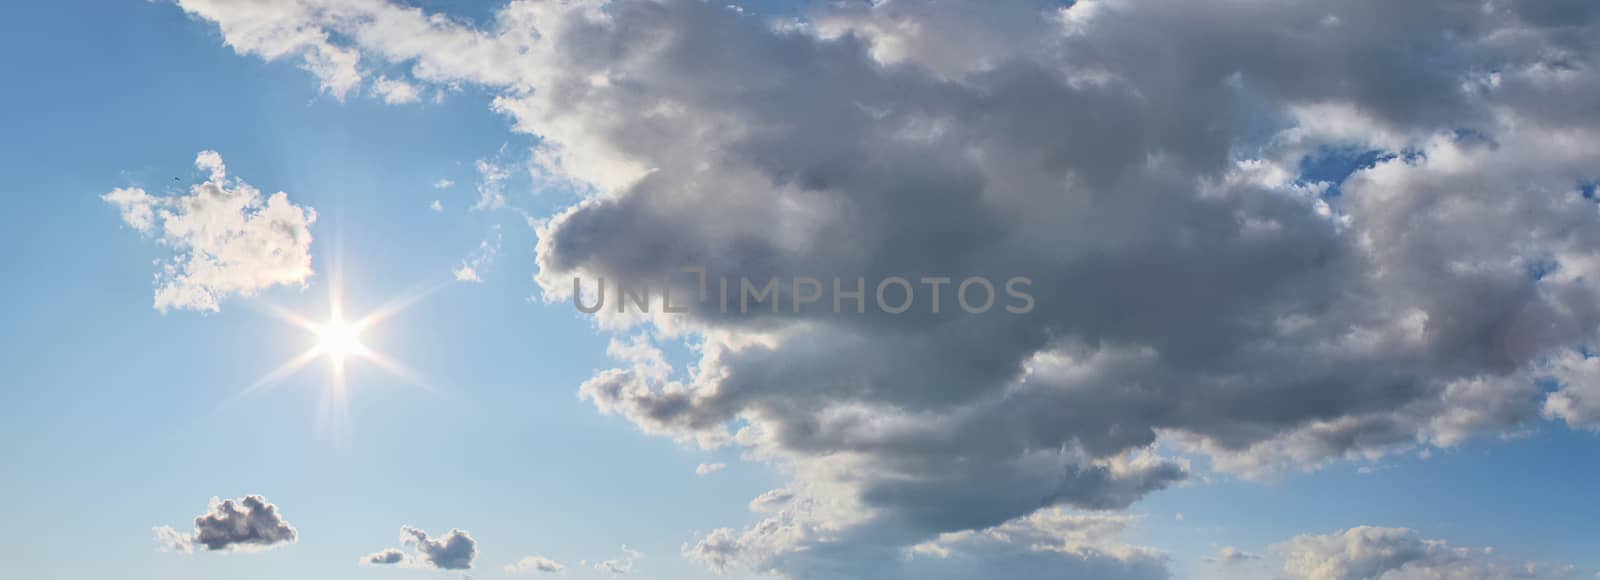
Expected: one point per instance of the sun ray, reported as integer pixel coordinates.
(285, 315)
(397, 304)
(398, 369)
(283, 371)
(339, 341)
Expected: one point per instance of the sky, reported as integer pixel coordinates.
(1313, 289)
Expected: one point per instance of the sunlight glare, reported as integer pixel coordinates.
(339, 339)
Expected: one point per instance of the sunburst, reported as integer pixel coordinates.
(339, 341)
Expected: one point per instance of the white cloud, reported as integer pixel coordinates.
(620, 566)
(273, 30)
(491, 186)
(533, 564)
(443, 184)
(1373, 553)
(484, 255)
(1578, 400)
(436, 206)
(227, 239)
(395, 91)
(709, 468)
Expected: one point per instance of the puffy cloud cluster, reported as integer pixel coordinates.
(1369, 553)
(1149, 165)
(453, 551)
(247, 524)
(227, 238)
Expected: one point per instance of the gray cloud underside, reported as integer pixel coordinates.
(250, 523)
(1138, 161)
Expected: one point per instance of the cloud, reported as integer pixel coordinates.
(620, 566)
(1577, 401)
(483, 256)
(709, 468)
(443, 184)
(247, 524)
(491, 185)
(771, 501)
(1231, 556)
(453, 551)
(385, 557)
(1400, 554)
(535, 564)
(282, 29)
(227, 239)
(1140, 162)
(395, 91)
(1046, 544)
(436, 206)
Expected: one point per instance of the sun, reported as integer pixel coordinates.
(339, 339)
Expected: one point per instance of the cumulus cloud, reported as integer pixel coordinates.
(247, 524)
(226, 238)
(709, 468)
(385, 557)
(620, 566)
(1198, 290)
(535, 564)
(1371, 553)
(453, 551)
(1577, 401)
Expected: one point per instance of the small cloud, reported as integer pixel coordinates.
(443, 184)
(487, 249)
(1230, 555)
(709, 468)
(623, 565)
(532, 564)
(491, 186)
(248, 524)
(385, 557)
(436, 206)
(395, 91)
(1178, 516)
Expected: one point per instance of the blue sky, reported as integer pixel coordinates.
(117, 418)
